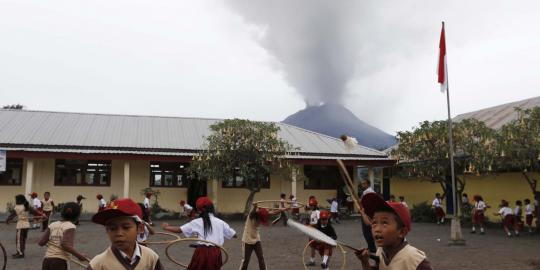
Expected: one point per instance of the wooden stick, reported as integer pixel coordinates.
(349, 183)
(4, 256)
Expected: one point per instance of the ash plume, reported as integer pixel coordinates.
(314, 42)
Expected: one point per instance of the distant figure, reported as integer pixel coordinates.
(478, 214)
(187, 210)
(334, 210)
(101, 202)
(507, 217)
(36, 203)
(438, 208)
(350, 204)
(79, 202)
(518, 220)
(146, 204)
(366, 222)
(392, 198)
(295, 207)
(48, 208)
(402, 201)
(529, 214)
(282, 215)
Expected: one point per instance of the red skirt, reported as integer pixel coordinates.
(206, 258)
(320, 247)
(478, 217)
(439, 212)
(508, 221)
(295, 211)
(529, 219)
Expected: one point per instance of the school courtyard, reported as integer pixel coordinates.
(283, 247)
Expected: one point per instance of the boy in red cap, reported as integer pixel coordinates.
(390, 223)
(325, 250)
(251, 239)
(122, 219)
(206, 227)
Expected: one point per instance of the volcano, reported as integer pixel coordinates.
(335, 120)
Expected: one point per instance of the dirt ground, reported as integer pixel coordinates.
(283, 247)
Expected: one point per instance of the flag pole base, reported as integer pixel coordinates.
(456, 237)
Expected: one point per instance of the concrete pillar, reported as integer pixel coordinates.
(355, 179)
(29, 177)
(371, 176)
(126, 179)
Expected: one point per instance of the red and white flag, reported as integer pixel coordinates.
(442, 69)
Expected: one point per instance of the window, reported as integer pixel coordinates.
(321, 177)
(13, 173)
(168, 174)
(76, 172)
(238, 182)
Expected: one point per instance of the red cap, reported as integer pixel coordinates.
(99, 196)
(324, 215)
(202, 202)
(373, 203)
(263, 216)
(118, 208)
(33, 194)
(182, 202)
(149, 194)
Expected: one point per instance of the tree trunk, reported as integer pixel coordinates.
(249, 202)
(536, 194)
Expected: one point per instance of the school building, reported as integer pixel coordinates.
(510, 186)
(69, 154)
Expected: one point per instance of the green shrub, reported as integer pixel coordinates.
(422, 212)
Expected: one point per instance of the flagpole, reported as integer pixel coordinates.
(455, 232)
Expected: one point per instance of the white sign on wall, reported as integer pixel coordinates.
(2, 161)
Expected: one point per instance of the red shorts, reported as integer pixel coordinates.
(508, 221)
(295, 211)
(478, 218)
(321, 247)
(206, 258)
(529, 219)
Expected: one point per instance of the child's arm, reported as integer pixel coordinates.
(150, 229)
(174, 229)
(44, 238)
(11, 217)
(67, 244)
(363, 256)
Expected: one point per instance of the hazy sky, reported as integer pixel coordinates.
(259, 59)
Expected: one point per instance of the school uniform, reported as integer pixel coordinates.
(48, 208)
(320, 246)
(23, 224)
(282, 215)
(439, 212)
(251, 241)
(102, 204)
(295, 207)
(507, 216)
(334, 210)
(188, 211)
(529, 214)
(518, 222)
(478, 217)
(114, 259)
(206, 256)
(59, 233)
(38, 207)
(406, 257)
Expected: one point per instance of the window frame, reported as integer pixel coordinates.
(335, 185)
(264, 184)
(12, 163)
(85, 168)
(176, 172)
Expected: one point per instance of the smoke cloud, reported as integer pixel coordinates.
(314, 41)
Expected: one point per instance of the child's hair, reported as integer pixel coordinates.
(283, 195)
(47, 193)
(399, 222)
(401, 198)
(20, 199)
(144, 213)
(71, 211)
(478, 198)
(437, 194)
(504, 203)
(392, 196)
(465, 195)
(527, 201)
(518, 202)
(205, 215)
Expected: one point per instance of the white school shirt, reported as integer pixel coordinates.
(517, 210)
(295, 203)
(368, 190)
(528, 209)
(136, 254)
(187, 208)
(146, 203)
(481, 205)
(102, 202)
(334, 207)
(405, 204)
(36, 202)
(220, 230)
(436, 203)
(314, 217)
(505, 211)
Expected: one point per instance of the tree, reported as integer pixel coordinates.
(423, 152)
(242, 148)
(519, 146)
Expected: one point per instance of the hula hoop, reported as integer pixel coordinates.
(162, 242)
(71, 258)
(193, 240)
(5, 256)
(340, 247)
(300, 205)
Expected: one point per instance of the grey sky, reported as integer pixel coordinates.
(208, 59)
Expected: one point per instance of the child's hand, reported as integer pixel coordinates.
(164, 225)
(363, 255)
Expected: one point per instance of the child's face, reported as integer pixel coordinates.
(385, 230)
(324, 221)
(46, 196)
(123, 232)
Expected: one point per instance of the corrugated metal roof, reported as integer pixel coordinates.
(92, 133)
(498, 116)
